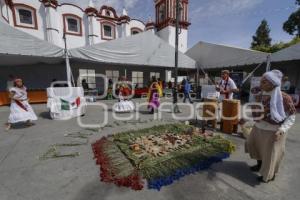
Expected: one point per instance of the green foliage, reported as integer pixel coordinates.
(277, 46)
(262, 36)
(162, 166)
(292, 25)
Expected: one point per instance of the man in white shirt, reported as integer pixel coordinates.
(226, 86)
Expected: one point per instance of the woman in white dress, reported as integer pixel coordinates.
(266, 142)
(20, 109)
(125, 104)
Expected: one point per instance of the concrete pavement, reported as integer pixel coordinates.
(23, 176)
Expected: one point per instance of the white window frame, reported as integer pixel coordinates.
(156, 74)
(18, 20)
(112, 31)
(113, 75)
(78, 24)
(137, 77)
(89, 75)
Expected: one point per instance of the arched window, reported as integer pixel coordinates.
(72, 24)
(162, 13)
(108, 31)
(25, 16)
(135, 31)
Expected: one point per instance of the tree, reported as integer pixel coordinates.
(292, 25)
(262, 36)
(278, 46)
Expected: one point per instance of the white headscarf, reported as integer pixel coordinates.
(276, 103)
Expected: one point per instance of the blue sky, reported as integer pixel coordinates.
(230, 22)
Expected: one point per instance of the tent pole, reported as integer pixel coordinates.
(268, 68)
(70, 78)
(175, 100)
(197, 76)
(251, 73)
(204, 73)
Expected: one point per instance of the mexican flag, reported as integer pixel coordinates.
(71, 104)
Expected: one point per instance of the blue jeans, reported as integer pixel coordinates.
(187, 96)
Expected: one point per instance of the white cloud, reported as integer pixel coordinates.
(130, 3)
(117, 4)
(223, 7)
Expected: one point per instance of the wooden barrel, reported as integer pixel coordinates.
(210, 107)
(230, 109)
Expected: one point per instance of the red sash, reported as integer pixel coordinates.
(78, 101)
(19, 103)
(225, 88)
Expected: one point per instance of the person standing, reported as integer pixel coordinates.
(226, 86)
(124, 104)
(20, 109)
(186, 91)
(85, 85)
(170, 85)
(266, 142)
(154, 94)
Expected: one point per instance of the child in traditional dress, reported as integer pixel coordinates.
(125, 104)
(154, 94)
(266, 142)
(20, 109)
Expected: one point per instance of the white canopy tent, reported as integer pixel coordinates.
(144, 49)
(20, 48)
(212, 56)
(288, 54)
(288, 61)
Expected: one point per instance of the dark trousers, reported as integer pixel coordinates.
(187, 96)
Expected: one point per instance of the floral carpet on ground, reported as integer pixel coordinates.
(159, 155)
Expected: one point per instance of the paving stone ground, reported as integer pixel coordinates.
(23, 176)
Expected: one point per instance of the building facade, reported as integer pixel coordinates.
(48, 20)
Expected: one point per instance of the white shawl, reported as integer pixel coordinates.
(276, 103)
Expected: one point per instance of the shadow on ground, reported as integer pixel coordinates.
(45, 115)
(96, 190)
(21, 125)
(237, 170)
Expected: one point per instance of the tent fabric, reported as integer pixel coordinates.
(144, 49)
(210, 56)
(288, 54)
(15, 43)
